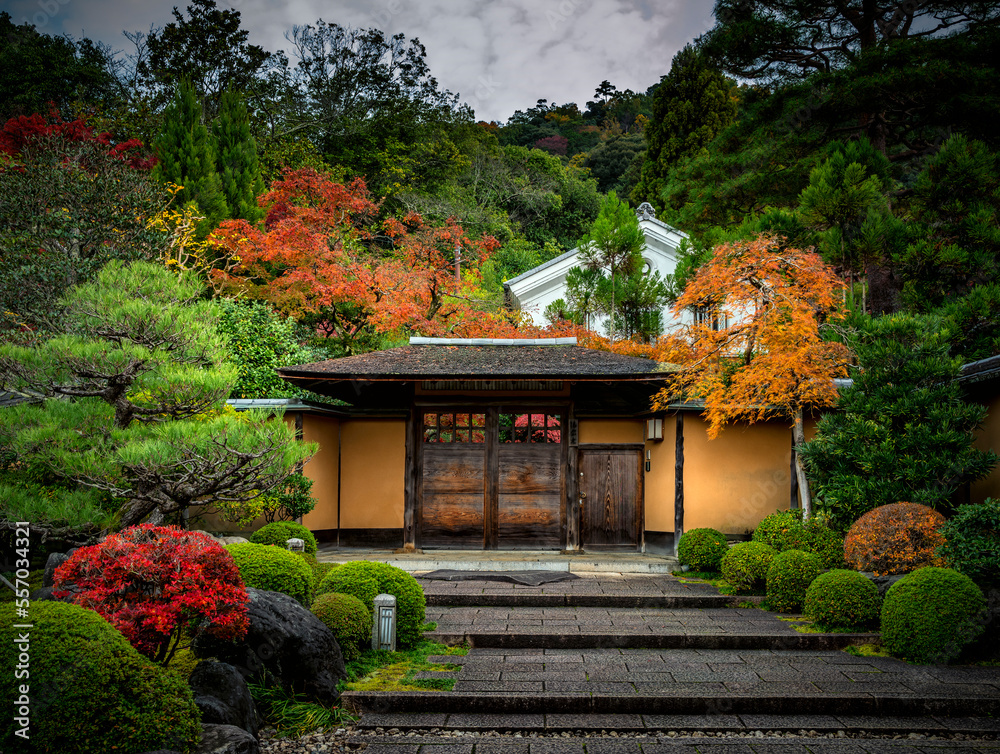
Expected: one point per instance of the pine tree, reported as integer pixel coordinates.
(187, 158)
(236, 159)
(692, 104)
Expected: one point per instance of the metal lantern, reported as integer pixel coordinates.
(384, 623)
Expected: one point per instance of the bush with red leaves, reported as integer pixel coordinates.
(157, 585)
(897, 538)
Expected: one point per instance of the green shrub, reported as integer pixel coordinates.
(842, 599)
(90, 689)
(788, 578)
(367, 579)
(931, 614)
(702, 549)
(348, 618)
(785, 530)
(273, 569)
(972, 542)
(280, 532)
(745, 565)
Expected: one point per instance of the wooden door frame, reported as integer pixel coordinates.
(640, 521)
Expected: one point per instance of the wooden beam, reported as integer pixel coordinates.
(679, 480)
(491, 480)
(411, 484)
(572, 497)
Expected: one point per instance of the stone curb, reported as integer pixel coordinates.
(587, 600)
(792, 641)
(727, 702)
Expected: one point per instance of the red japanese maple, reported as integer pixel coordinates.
(158, 584)
(17, 133)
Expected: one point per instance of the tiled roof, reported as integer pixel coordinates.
(8, 398)
(416, 362)
(981, 371)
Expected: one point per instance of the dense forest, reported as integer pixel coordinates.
(337, 183)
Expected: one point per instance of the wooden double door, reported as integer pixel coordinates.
(493, 478)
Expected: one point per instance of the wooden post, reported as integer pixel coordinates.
(679, 480)
(794, 486)
(572, 497)
(491, 489)
(411, 483)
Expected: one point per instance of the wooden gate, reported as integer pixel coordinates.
(492, 480)
(611, 496)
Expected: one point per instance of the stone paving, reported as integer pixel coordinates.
(601, 585)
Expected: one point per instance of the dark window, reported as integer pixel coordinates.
(454, 427)
(530, 428)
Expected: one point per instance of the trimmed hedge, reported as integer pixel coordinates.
(931, 614)
(842, 599)
(745, 565)
(367, 579)
(90, 689)
(274, 569)
(279, 532)
(788, 578)
(897, 538)
(785, 530)
(702, 549)
(348, 619)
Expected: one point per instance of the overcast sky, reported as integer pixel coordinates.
(500, 55)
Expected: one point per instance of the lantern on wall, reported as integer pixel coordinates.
(654, 429)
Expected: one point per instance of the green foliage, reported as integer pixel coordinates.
(931, 614)
(903, 430)
(236, 161)
(273, 569)
(187, 158)
(293, 715)
(139, 353)
(259, 342)
(610, 160)
(279, 532)
(291, 499)
(349, 620)
(745, 565)
(90, 690)
(367, 579)
(972, 542)
(785, 530)
(692, 104)
(789, 576)
(842, 599)
(702, 549)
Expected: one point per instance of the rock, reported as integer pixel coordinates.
(884, 582)
(221, 694)
(45, 594)
(284, 641)
(232, 540)
(55, 560)
(162, 751)
(226, 739)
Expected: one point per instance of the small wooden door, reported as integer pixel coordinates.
(611, 497)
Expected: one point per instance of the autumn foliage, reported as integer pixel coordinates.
(154, 583)
(897, 538)
(18, 133)
(324, 258)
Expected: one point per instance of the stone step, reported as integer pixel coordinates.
(720, 743)
(601, 640)
(522, 599)
(421, 724)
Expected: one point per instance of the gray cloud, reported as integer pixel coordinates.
(500, 55)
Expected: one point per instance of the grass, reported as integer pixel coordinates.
(292, 714)
(713, 578)
(396, 671)
(867, 650)
(808, 627)
(34, 582)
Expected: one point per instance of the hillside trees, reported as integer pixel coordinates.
(763, 355)
(135, 383)
(236, 161)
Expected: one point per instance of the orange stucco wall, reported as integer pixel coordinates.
(989, 438)
(611, 430)
(373, 471)
(323, 469)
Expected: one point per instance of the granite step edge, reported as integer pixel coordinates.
(790, 641)
(499, 599)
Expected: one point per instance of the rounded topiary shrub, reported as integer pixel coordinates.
(972, 542)
(897, 538)
(773, 529)
(745, 565)
(348, 619)
(931, 614)
(702, 549)
(788, 578)
(273, 569)
(90, 690)
(842, 599)
(785, 530)
(367, 579)
(279, 532)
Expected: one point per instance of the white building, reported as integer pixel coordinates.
(535, 289)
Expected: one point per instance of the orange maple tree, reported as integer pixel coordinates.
(763, 355)
(323, 258)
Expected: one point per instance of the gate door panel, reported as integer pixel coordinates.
(454, 462)
(611, 498)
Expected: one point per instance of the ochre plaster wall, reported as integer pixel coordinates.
(611, 430)
(989, 438)
(373, 470)
(323, 469)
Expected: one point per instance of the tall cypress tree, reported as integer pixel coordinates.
(187, 158)
(236, 159)
(691, 105)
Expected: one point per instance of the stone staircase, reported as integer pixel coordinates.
(652, 666)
